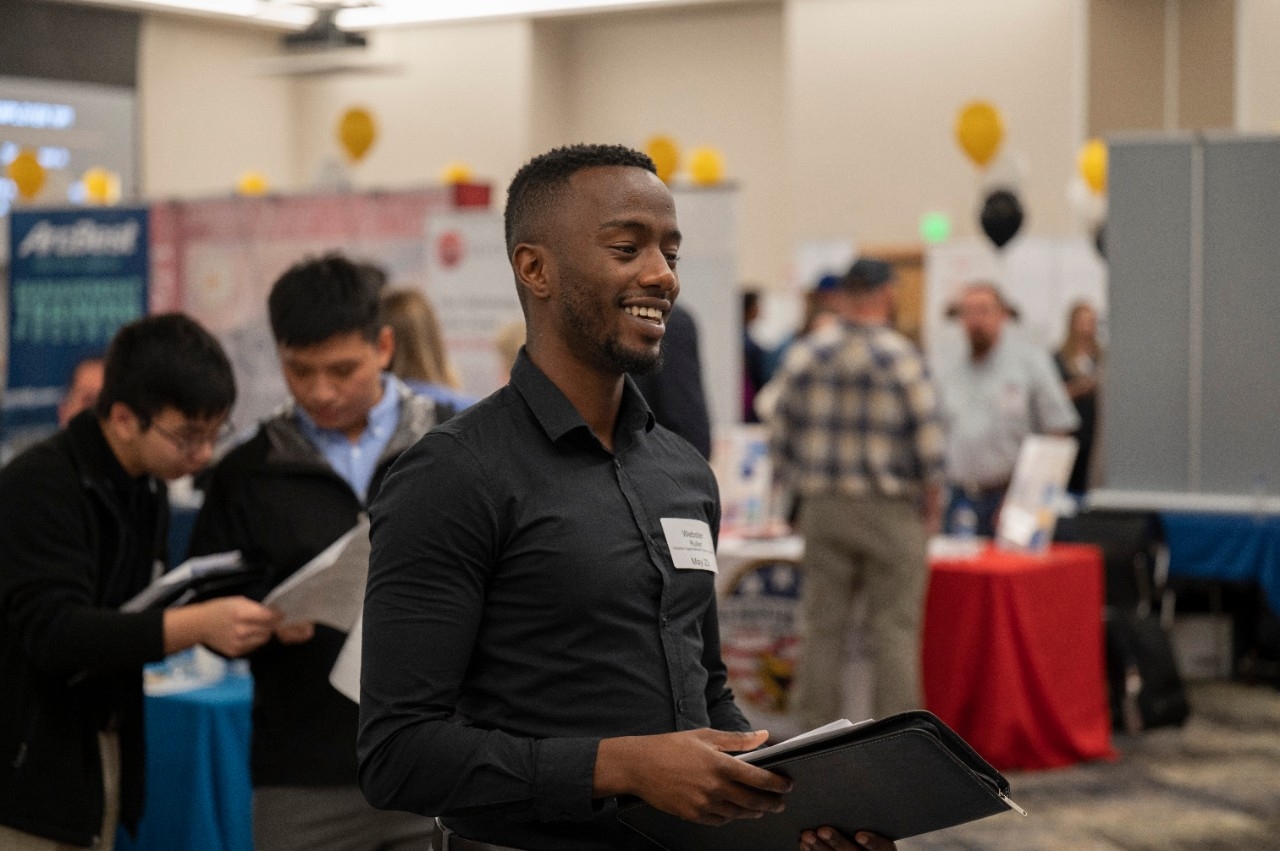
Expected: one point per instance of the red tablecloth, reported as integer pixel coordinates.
(1014, 658)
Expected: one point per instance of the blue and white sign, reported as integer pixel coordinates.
(75, 277)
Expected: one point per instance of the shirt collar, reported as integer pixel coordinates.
(381, 421)
(556, 414)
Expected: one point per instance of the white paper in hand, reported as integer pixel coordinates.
(183, 578)
(818, 734)
(329, 589)
(345, 674)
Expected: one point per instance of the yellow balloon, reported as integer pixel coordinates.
(665, 155)
(706, 166)
(979, 130)
(252, 183)
(1093, 165)
(27, 174)
(101, 186)
(456, 172)
(356, 132)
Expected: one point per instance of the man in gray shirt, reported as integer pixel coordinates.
(1002, 392)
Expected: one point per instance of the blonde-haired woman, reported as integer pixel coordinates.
(420, 360)
(1080, 365)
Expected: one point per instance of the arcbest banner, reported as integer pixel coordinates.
(75, 277)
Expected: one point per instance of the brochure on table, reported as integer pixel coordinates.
(1030, 510)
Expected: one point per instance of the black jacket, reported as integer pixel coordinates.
(674, 392)
(276, 499)
(78, 537)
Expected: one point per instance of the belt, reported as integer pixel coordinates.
(444, 839)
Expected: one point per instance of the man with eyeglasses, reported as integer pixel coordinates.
(281, 498)
(83, 522)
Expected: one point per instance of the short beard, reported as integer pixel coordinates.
(636, 363)
(979, 349)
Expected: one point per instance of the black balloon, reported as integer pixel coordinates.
(1001, 216)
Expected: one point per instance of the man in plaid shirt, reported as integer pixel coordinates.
(857, 436)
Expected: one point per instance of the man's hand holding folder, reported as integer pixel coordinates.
(692, 775)
(897, 777)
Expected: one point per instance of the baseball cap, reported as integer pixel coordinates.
(828, 283)
(867, 274)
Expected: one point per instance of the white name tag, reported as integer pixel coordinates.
(690, 544)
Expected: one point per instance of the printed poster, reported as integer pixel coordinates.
(75, 277)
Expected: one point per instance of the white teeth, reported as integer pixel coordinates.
(645, 312)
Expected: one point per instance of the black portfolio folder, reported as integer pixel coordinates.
(900, 776)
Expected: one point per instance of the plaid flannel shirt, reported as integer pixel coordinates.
(857, 414)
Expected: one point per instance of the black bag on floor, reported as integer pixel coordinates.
(1129, 541)
(1146, 690)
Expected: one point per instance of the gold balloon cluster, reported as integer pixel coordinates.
(455, 173)
(27, 174)
(252, 184)
(706, 164)
(1092, 163)
(357, 132)
(101, 186)
(979, 130)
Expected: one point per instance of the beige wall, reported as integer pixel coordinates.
(835, 117)
(875, 87)
(203, 120)
(1127, 40)
(464, 95)
(710, 76)
(552, 83)
(1206, 64)
(1161, 65)
(1258, 65)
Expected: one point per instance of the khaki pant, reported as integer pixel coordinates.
(874, 546)
(109, 747)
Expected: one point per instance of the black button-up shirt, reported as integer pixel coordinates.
(522, 605)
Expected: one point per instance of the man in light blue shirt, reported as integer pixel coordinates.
(282, 497)
(1002, 392)
(356, 459)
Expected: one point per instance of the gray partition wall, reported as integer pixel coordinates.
(1192, 391)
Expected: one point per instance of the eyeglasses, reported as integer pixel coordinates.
(191, 443)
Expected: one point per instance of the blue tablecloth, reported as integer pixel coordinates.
(1225, 547)
(199, 796)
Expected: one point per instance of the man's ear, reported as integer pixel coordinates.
(386, 346)
(122, 421)
(530, 263)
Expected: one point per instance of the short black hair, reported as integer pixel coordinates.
(166, 361)
(323, 297)
(534, 189)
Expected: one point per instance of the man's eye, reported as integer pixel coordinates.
(672, 258)
(625, 248)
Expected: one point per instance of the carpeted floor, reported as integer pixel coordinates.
(1211, 785)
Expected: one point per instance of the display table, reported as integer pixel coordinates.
(1014, 658)
(199, 796)
(1226, 548)
(1013, 647)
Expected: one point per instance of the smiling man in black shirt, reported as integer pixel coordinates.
(540, 629)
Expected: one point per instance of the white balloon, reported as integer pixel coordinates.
(1007, 171)
(1089, 207)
